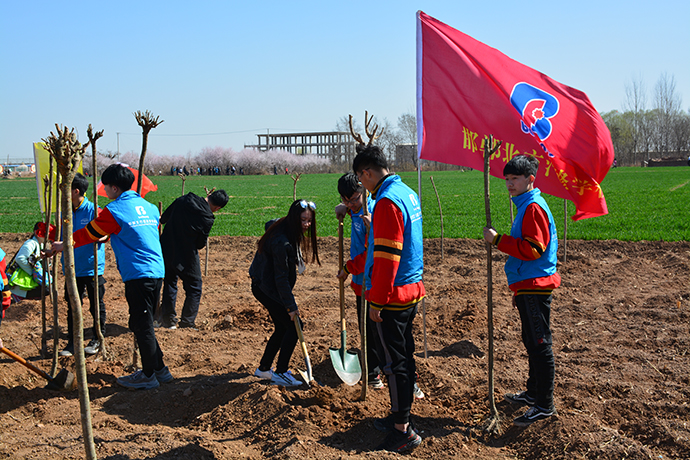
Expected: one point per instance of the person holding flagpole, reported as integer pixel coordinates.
(532, 248)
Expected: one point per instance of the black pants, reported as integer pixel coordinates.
(192, 288)
(397, 349)
(535, 314)
(142, 297)
(85, 285)
(374, 365)
(284, 337)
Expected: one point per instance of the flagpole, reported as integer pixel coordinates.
(420, 131)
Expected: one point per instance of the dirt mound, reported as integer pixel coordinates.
(621, 338)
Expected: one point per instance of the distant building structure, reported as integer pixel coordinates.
(337, 146)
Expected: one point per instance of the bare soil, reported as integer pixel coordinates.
(621, 339)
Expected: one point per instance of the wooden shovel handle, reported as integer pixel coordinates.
(27, 364)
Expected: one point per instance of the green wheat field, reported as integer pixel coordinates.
(644, 203)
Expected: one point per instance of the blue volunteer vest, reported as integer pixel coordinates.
(358, 234)
(520, 270)
(83, 255)
(137, 247)
(412, 257)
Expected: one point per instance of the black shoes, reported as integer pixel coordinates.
(397, 441)
(533, 414)
(519, 398)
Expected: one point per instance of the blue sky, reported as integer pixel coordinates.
(220, 72)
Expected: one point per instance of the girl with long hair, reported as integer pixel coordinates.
(283, 251)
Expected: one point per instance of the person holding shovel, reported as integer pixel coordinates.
(394, 287)
(351, 192)
(132, 223)
(274, 273)
(532, 248)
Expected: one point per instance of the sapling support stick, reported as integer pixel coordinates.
(493, 422)
(565, 229)
(295, 178)
(208, 242)
(440, 212)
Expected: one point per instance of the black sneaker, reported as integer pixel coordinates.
(68, 351)
(162, 324)
(385, 424)
(533, 414)
(191, 326)
(376, 382)
(397, 441)
(93, 347)
(519, 398)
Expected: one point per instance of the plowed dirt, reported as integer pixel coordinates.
(621, 339)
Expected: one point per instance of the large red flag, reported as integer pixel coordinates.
(467, 90)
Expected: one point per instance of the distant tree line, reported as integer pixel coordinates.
(640, 132)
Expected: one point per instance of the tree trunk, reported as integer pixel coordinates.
(78, 324)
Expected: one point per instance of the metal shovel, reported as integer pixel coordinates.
(63, 381)
(345, 363)
(306, 376)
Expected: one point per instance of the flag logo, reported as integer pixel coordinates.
(536, 107)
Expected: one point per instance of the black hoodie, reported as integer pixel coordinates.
(188, 221)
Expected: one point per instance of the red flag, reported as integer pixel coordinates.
(146, 184)
(467, 90)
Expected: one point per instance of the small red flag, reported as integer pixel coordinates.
(467, 90)
(146, 184)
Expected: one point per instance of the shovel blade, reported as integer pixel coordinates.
(346, 365)
(305, 377)
(63, 381)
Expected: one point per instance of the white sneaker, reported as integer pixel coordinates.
(418, 393)
(285, 379)
(265, 375)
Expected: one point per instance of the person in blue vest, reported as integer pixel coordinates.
(83, 212)
(393, 286)
(351, 192)
(532, 248)
(132, 224)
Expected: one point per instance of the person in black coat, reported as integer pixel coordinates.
(274, 273)
(188, 221)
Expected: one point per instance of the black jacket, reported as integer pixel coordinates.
(275, 269)
(188, 221)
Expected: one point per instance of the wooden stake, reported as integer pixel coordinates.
(493, 422)
(295, 178)
(565, 228)
(93, 137)
(364, 310)
(440, 211)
